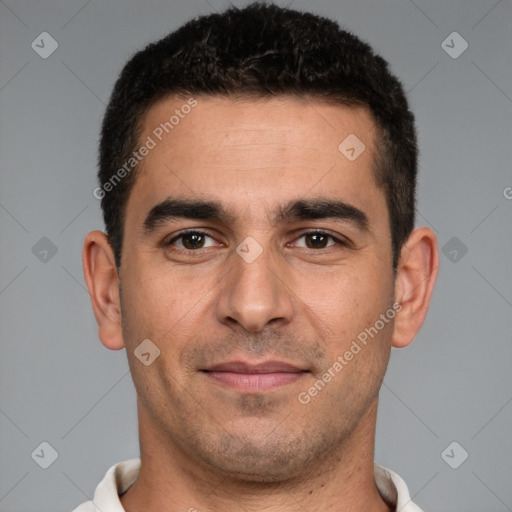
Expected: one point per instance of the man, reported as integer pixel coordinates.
(257, 176)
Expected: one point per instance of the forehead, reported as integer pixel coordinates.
(256, 153)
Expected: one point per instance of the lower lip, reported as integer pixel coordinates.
(255, 382)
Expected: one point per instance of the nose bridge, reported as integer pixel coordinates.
(253, 293)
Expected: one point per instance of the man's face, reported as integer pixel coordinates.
(253, 288)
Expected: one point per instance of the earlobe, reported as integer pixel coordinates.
(102, 281)
(416, 276)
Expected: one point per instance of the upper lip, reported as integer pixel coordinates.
(265, 367)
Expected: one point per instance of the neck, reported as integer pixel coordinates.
(170, 481)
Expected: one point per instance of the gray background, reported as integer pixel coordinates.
(57, 382)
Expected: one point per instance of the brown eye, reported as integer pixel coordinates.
(318, 240)
(191, 240)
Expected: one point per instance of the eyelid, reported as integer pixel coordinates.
(184, 232)
(339, 239)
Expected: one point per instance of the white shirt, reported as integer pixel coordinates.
(121, 476)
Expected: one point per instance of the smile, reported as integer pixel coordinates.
(254, 378)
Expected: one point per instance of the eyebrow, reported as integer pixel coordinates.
(186, 209)
(299, 209)
(311, 209)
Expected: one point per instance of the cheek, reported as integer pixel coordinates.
(165, 305)
(149, 305)
(348, 300)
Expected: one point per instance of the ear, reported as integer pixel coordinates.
(102, 281)
(416, 276)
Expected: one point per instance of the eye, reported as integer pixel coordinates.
(191, 240)
(318, 240)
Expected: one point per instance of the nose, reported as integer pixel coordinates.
(255, 293)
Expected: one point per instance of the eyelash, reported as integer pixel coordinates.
(204, 233)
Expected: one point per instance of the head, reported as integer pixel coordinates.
(262, 51)
(298, 245)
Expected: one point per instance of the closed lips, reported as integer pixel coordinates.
(241, 367)
(254, 378)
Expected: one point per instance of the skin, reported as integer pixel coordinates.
(212, 447)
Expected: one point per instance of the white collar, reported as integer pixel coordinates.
(122, 475)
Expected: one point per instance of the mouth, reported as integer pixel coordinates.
(254, 378)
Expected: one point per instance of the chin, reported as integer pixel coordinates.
(266, 459)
